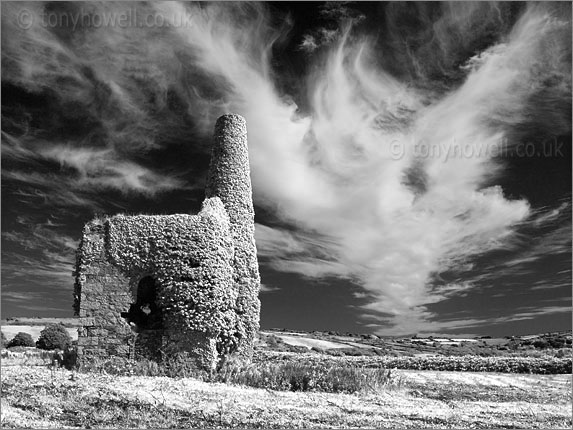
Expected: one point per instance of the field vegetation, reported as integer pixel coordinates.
(320, 380)
(40, 398)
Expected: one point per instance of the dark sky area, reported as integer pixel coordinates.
(411, 162)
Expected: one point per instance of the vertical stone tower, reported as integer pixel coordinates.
(230, 180)
(156, 285)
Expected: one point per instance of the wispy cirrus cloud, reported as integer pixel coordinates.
(37, 267)
(394, 220)
(549, 285)
(264, 288)
(42, 237)
(54, 197)
(544, 235)
(92, 170)
(107, 94)
(295, 251)
(104, 169)
(443, 327)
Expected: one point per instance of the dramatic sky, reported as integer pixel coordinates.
(411, 162)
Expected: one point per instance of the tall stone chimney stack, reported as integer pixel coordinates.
(229, 179)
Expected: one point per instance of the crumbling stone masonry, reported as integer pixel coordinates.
(164, 284)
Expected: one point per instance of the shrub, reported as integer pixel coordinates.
(70, 358)
(545, 364)
(353, 352)
(21, 339)
(273, 341)
(297, 376)
(54, 336)
(180, 365)
(556, 342)
(513, 345)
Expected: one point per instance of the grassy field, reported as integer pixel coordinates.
(31, 321)
(36, 397)
(335, 381)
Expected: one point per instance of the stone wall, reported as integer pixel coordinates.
(102, 292)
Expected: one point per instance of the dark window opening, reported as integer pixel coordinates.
(144, 314)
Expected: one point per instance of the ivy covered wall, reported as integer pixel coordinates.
(230, 180)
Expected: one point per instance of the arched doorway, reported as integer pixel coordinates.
(144, 314)
(146, 319)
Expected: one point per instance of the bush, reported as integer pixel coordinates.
(69, 358)
(179, 365)
(352, 352)
(545, 364)
(54, 336)
(21, 339)
(273, 341)
(556, 342)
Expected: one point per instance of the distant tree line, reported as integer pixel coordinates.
(54, 336)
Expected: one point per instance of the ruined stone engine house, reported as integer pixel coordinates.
(156, 285)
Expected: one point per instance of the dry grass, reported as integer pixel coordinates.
(288, 375)
(38, 398)
(25, 356)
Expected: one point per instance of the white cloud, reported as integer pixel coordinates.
(96, 169)
(333, 172)
(300, 252)
(43, 262)
(276, 242)
(264, 288)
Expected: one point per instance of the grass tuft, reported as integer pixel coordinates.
(282, 376)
